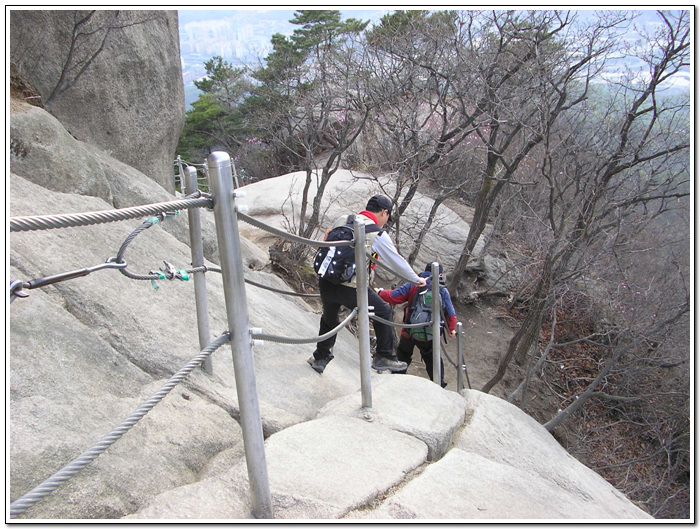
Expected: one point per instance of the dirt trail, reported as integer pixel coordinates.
(487, 331)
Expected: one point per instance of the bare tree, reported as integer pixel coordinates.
(310, 104)
(500, 78)
(532, 69)
(632, 159)
(415, 130)
(611, 228)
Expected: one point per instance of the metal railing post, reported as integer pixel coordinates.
(236, 183)
(435, 270)
(460, 359)
(179, 173)
(200, 283)
(221, 184)
(363, 313)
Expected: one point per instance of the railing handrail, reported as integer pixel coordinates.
(316, 243)
(69, 220)
(317, 338)
(20, 505)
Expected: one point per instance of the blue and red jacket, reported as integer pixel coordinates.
(407, 292)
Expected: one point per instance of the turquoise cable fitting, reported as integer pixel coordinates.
(161, 275)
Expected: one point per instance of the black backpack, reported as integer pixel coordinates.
(336, 264)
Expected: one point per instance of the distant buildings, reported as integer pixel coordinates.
(238, 36)
(235, 41)
(219, 37)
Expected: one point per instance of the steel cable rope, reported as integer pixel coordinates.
(454, 364)
(391, 270)
(313, 339)
(17, 287)
(117, 262)
(285, 292)
(121, 264)
(411, 326)
(68, 220)
(401, 325)
(289, 236)
(317, 244)
(254, 283)
(153, 276)
(120, 254)
(464, 367)
(416, 326)
(21, 505)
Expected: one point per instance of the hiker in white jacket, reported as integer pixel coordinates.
(333, 296)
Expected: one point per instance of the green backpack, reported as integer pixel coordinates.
(421, 311)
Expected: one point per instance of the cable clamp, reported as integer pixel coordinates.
(162, 216)
(210, 197)
(169, 272)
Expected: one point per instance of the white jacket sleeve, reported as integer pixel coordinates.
(384, 246)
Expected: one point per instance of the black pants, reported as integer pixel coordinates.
(335, 296)
(404, 352)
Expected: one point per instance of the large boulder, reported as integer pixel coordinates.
(499, 432)
(113, 79)
(45, 154)
(417, 415)
(357, 463)
(348, 192)
(86, 352)
(321, 469)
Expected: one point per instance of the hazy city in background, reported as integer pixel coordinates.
(242, 36)
(238, 36)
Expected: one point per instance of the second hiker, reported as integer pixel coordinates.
(421, 338)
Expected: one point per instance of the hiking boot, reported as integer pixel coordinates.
(382, 363)
(319, 364)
